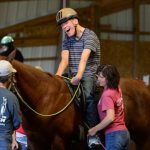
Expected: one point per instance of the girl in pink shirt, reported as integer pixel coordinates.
(111, 110)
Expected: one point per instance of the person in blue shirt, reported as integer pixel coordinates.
(10, 118)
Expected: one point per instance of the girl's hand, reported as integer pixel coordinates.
(92, 131)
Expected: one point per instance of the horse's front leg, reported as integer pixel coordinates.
(145, 145)
(37, 142)
(58, 143)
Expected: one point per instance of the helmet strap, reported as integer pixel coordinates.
(75, 34)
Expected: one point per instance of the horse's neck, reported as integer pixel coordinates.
(31, 80)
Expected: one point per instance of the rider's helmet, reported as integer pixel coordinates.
(7, 40)
(65, 14)
(8, 43)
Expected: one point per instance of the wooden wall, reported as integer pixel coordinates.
(120, 53)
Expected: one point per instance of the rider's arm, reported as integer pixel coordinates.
(83, 61)
(64, 62)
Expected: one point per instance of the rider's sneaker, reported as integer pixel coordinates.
(93, 141)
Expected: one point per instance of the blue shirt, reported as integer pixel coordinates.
(10, 118)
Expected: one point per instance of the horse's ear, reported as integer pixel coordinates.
(11, 56)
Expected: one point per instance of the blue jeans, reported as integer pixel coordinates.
(89, 84)
(118, 140)
(5, 144)
(22, 146)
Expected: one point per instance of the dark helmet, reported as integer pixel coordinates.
(65, 14)
(7, 40)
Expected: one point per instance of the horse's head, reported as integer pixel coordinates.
(11, 56)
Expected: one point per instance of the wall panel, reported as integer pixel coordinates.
(20, 11)
(120, 53)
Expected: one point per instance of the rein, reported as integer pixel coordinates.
(40, 114)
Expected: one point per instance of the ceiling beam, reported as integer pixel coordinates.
(38, 31)
(111, 6)
(107, 7)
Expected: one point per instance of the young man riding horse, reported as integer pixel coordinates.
(81, 51)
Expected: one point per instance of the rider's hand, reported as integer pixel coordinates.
(75, 80)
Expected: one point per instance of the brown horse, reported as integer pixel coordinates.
(49, 94)
(137, 105)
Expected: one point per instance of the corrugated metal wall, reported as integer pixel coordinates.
(123, 21)
(19, 11)
(118, 21)
(16, 12)
(131, 57)
(145, 21)
(39, 52)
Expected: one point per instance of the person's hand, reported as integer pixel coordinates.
(75, 80)
(92, 131)
(14, 145)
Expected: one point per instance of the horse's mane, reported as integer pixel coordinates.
(29, 77)
(28, 69)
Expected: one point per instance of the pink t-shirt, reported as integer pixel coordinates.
(112, 99)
